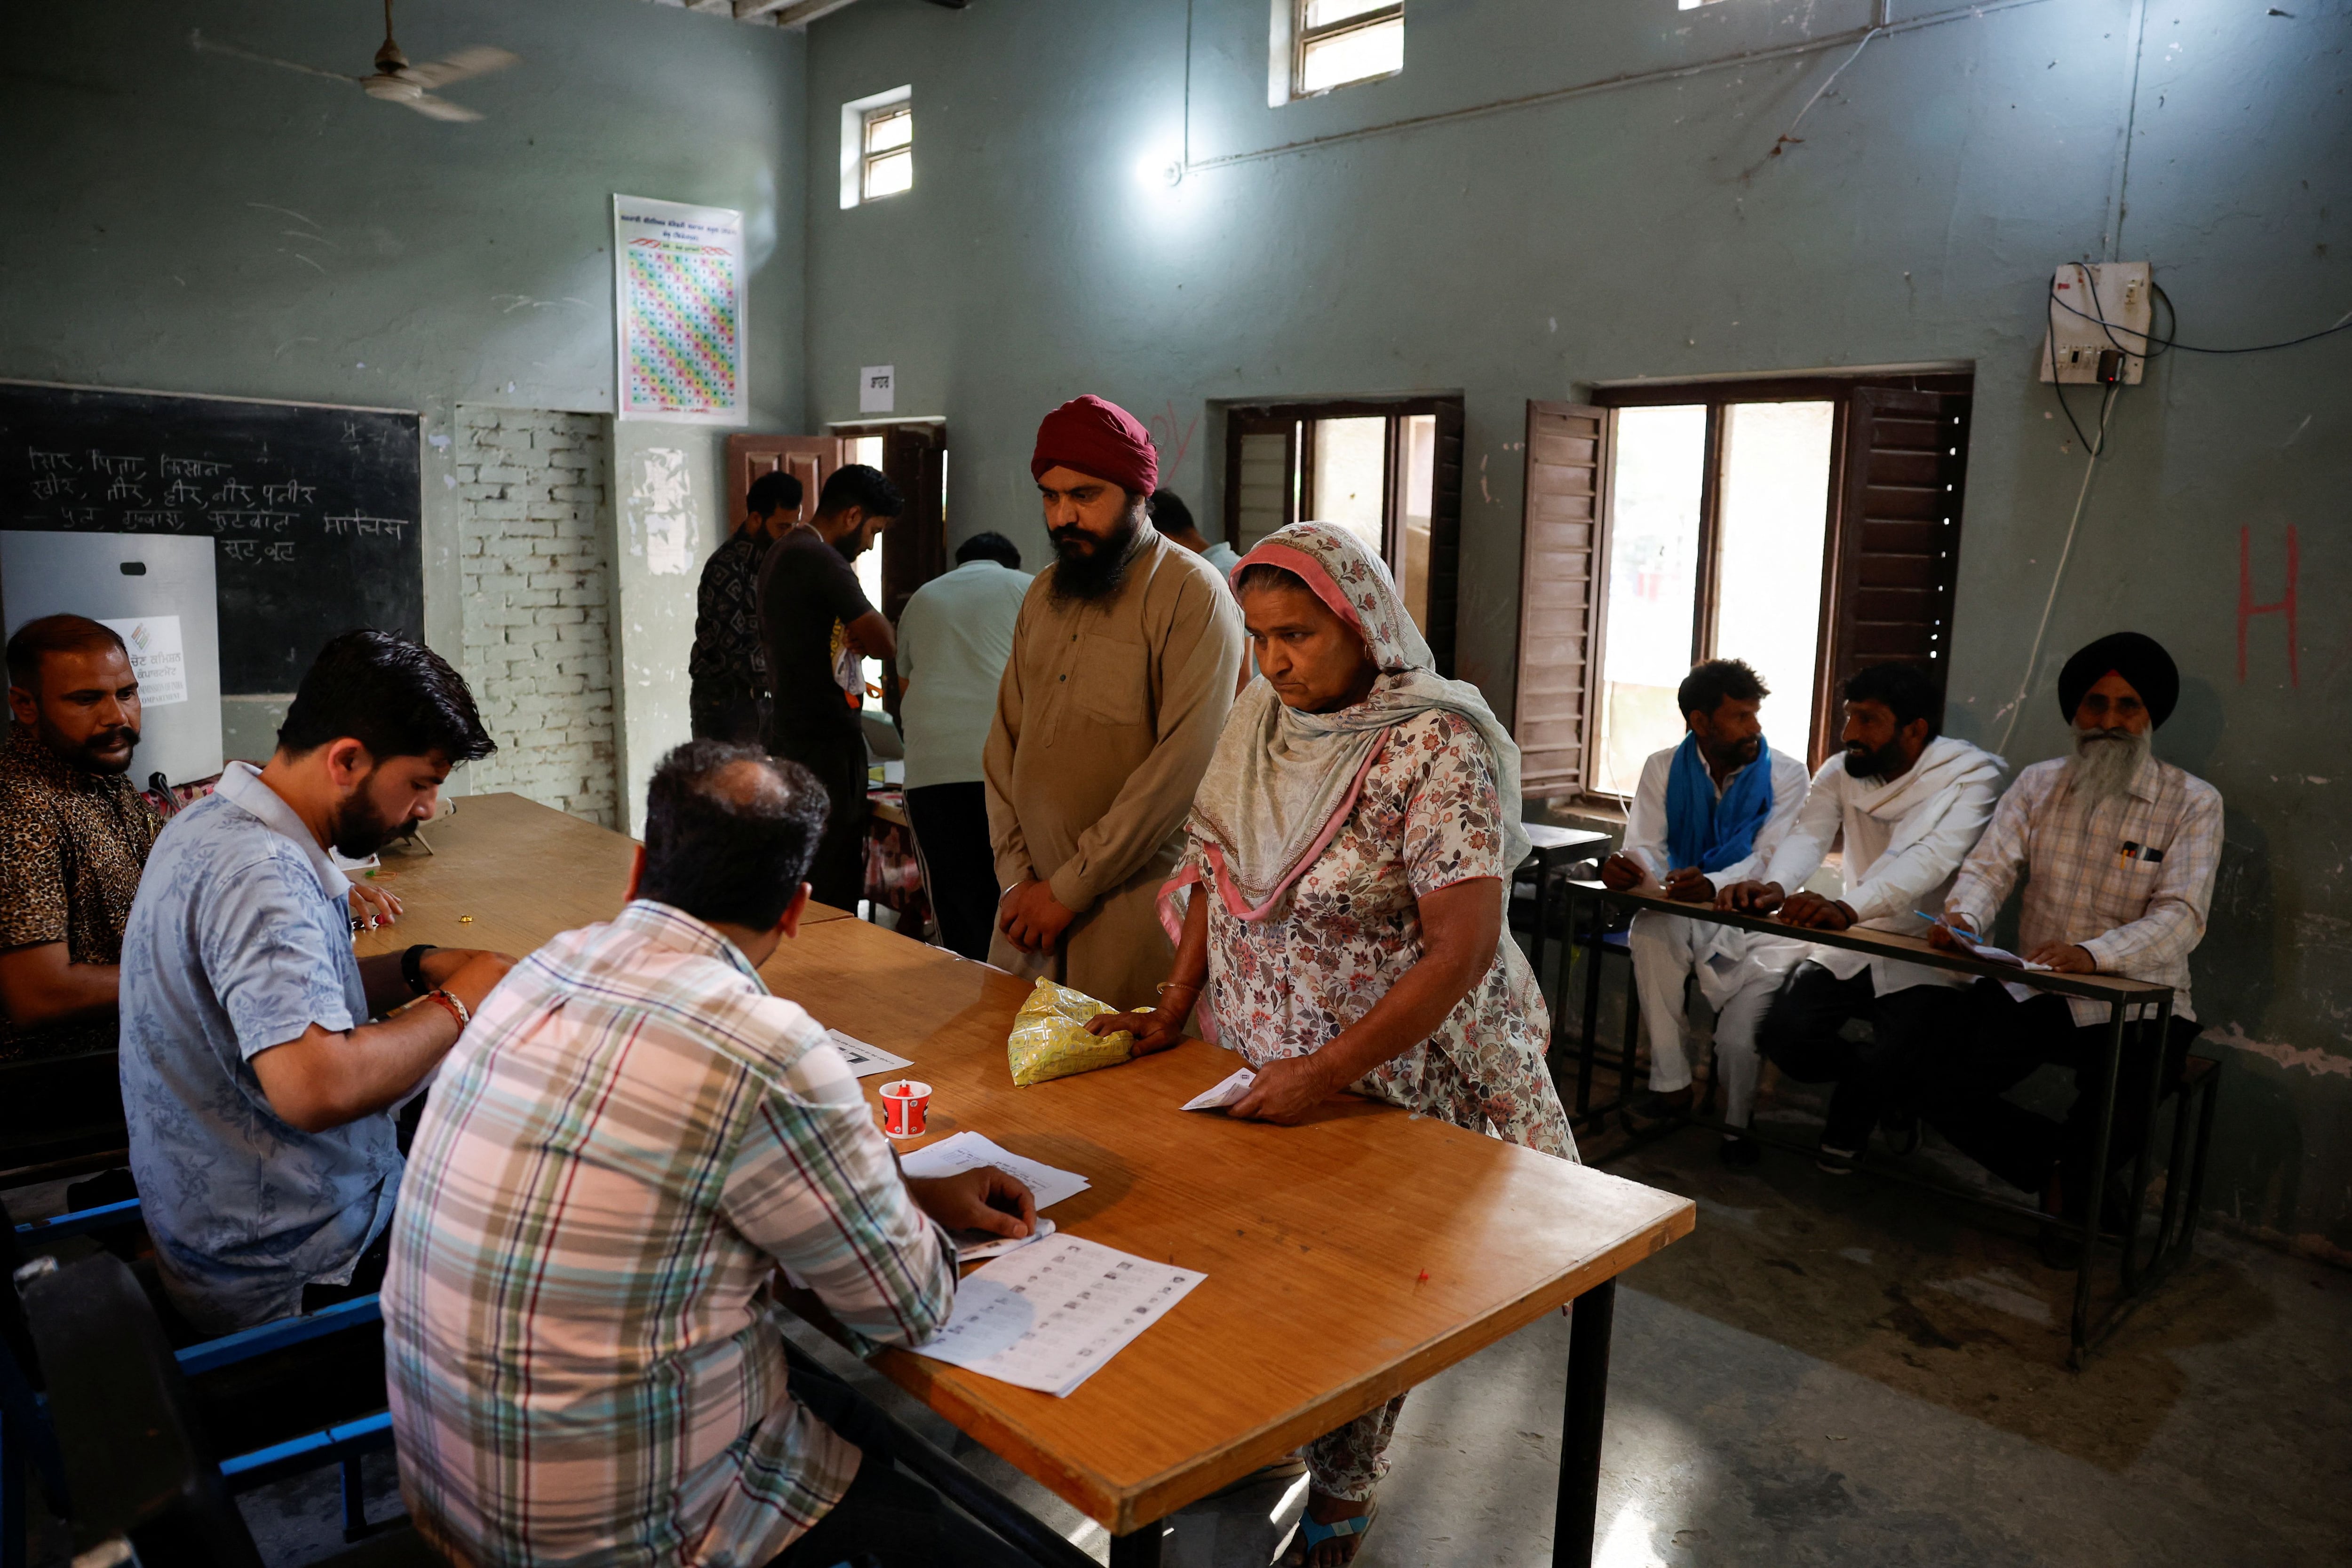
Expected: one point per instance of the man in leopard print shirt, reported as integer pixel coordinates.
(74, 836)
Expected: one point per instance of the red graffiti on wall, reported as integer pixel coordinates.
(2283, 606)
(1164, 436)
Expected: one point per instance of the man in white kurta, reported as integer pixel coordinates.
(1736, 970)
(1910, 804)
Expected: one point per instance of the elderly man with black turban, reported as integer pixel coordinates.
(2119, 851)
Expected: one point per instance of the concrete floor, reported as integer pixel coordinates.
(1828, 1371)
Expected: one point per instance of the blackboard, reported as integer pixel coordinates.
(316, 508)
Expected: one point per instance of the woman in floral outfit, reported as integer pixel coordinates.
(1338, 914)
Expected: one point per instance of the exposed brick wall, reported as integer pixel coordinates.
(538, 604)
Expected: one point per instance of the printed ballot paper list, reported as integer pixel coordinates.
(1047, 1316)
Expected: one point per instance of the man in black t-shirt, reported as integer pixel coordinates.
(817, 624)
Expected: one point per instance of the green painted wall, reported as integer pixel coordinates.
(1643, 230)
(191, 222)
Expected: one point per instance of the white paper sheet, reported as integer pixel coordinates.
(970, 1151)
(972, 1246)
(1047, 1316)
(1226, 1094)
(864, 1060)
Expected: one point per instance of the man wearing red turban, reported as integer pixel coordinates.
(1123, 668)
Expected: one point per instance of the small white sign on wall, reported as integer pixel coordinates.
(878, 389)
(156, 660)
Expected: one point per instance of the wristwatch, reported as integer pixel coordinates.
(411, 968)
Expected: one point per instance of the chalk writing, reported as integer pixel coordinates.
(289, 493)
(120, 467)
(50, 461)
(278, 550)
(192, 468)
(353, 523)
(152, 520)
(182, 494)
(234, 494)
(49, 487)
(240, 549)
(125, 489)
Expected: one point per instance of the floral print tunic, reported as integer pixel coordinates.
(1429, 816)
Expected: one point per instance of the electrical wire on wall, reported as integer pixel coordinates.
(2151, 349)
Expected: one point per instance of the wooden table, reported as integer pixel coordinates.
(1347, 1260)
(2176, 1231)
(521, 871)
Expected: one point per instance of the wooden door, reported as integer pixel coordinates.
(915, 545)
(810, 459)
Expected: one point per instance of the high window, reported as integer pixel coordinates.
(877, 147)
(889, 151)
(1809, 526)
(1389, 473)
(1334, 43)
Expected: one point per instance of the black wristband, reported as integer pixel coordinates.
(411, 968)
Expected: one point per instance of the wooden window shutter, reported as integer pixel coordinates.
(1445, 535)
(1562, 607)
(1261, 473)
(810, 459)
(1899, 534)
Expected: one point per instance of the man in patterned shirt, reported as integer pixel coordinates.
(2119, 851)
(74, 835)
(728, 664)
(581, 1321)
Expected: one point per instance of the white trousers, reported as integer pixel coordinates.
(1738, 971)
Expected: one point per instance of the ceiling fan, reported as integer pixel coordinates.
(394, 80)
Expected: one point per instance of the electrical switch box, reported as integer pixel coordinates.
(2097, 308)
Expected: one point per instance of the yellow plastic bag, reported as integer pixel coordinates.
(1050, 1040)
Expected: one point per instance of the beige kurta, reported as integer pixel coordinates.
(1105, 718)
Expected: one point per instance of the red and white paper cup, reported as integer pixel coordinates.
(905, 1107)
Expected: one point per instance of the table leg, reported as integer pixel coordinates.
(1574, 1523)
(2160, 1020)
(1138, 1549)
(2096, 1194)
(1556, 993)
(1587, 1043)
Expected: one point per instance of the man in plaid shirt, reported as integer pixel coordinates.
(2119, 851)
(580, 1317)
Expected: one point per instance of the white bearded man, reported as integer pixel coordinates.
(2119, 851)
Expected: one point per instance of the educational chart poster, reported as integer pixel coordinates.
(679, 279)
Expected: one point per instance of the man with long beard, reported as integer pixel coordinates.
(2119, 851)
(73, 836)
(256, 1091)
(1122, 672)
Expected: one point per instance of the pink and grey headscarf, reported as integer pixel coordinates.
(1282, 782)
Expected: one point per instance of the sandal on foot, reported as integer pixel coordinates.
(1312, 1534)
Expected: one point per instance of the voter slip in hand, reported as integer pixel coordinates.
(1048, 1316)
(970, 1151)
(1228, 1093)
(864, 1060)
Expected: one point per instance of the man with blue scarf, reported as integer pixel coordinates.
(1708, 812)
